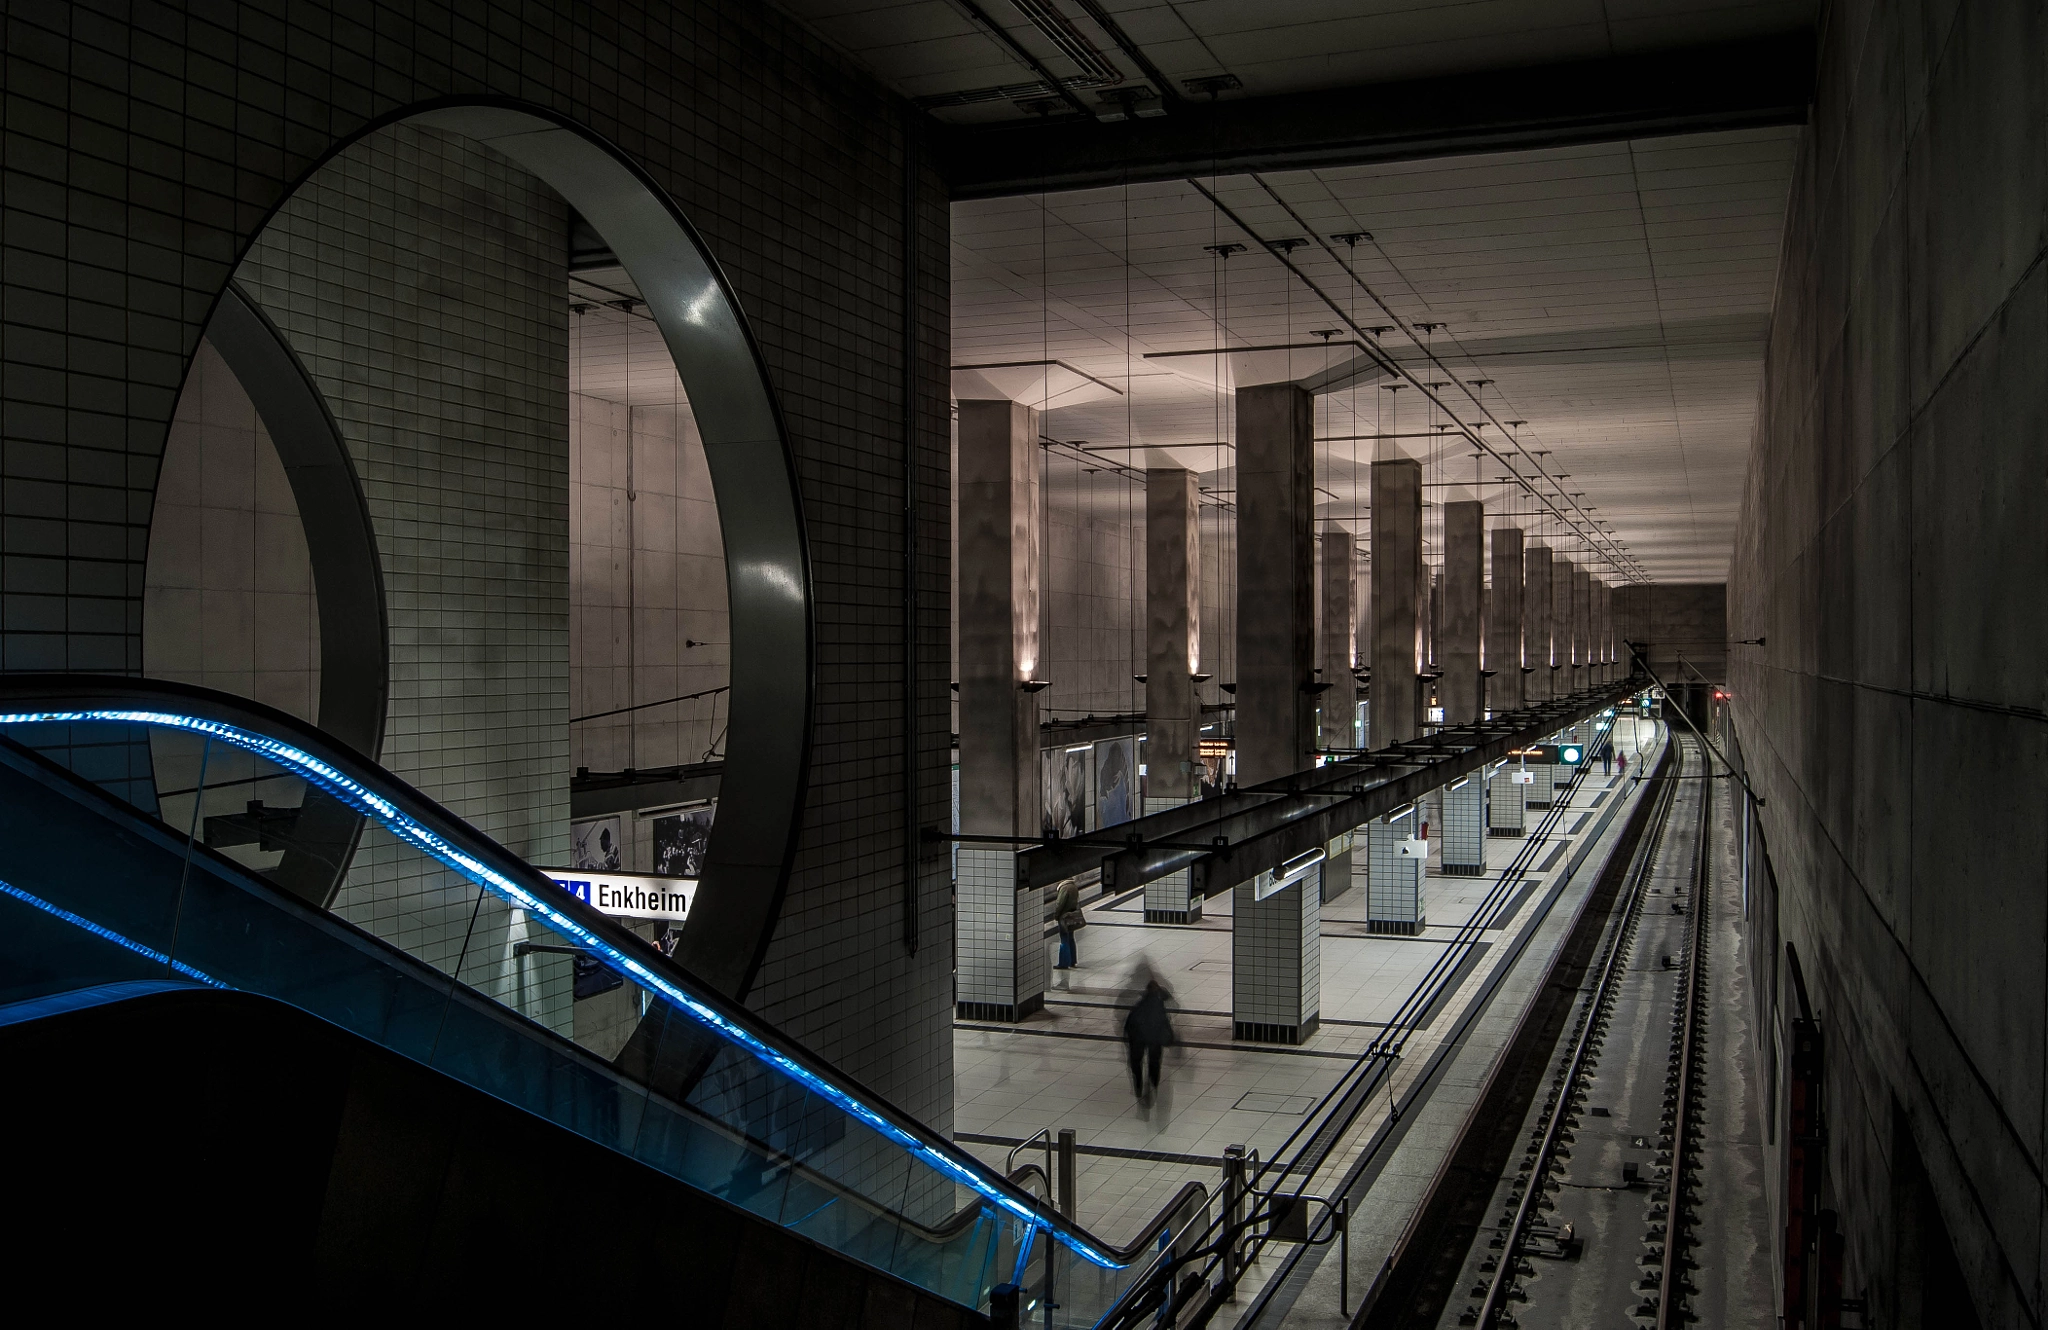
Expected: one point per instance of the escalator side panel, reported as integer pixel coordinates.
(244, 1152)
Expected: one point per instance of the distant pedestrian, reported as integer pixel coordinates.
(1624, 765)
(1147, 1032)
(1067, 916)
(1607, 759)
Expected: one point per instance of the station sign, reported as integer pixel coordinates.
(628, 895)
(1560, 755)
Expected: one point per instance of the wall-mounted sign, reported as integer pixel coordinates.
(1414, 848)
(1521, 778)
(628, 895)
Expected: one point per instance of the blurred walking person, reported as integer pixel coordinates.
(1147, 1032)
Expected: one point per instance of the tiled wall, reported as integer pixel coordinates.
(143, 151)
(1393, 888)
(1276, 959)
(422, 280)
(228, 599)
(228, 596)
(1464, 826)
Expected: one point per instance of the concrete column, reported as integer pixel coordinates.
(1582, 628)
(1560, 625)
(1338, 703)
(1396, 601)
(1605, 635)
(1173, 628)
(1536, 623)
(1001, 945)
(1507, 689)
(1276, 943)
(1563, 628)
(1464, 826)
(1464, 582)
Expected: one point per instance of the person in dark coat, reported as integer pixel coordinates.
(1147, 1032)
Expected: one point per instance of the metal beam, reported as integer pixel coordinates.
(1733, 85)
(1249, 831)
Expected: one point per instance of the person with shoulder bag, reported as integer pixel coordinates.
(1066, 913)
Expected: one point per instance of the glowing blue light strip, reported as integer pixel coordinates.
(404, 828)
(100, 931)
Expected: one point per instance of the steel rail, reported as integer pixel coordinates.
(1670, 1286)
(1617, 946)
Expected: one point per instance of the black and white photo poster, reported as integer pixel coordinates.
(595, 845)
(680, 840)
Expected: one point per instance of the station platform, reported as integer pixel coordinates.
(1065, 1067)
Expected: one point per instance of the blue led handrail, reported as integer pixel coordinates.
(536, 894)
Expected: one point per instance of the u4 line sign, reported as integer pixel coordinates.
(628, 895)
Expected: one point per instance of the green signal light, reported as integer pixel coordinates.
(1571, 754)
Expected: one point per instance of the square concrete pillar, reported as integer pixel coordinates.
(1396, 603)
(1464, 582)
(1464, 827)
(1276, 944)
(1582, 629)
(1001, 947)
(1173, 626)
(1603, 632)
(1393, 885)
(1337, 702)
(1506, 801)
(1563, 575)
(1506, 690)
(1536, 624)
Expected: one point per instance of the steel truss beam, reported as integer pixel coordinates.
(1256, 829)
(1691, 90)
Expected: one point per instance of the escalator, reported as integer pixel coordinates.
(444, 1058)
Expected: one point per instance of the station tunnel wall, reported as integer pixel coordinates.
(1891, 554)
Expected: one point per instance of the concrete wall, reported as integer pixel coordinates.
(141, 161)
(648, 615)
(1892, 552)
(1682, 623)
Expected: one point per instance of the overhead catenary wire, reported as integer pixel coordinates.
(1389, 364)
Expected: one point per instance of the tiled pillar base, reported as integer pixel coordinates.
(1276, 963)
(1167, 899)
(1002, 961)
(1506, 803)
(1393, 892)
(1464, 833)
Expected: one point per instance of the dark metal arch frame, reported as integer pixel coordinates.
(754, 478)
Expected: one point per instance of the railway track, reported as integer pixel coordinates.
(1215, 1256)
(1608, 1144)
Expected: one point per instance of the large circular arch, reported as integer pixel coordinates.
(754, 481)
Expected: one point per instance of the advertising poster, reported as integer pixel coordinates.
(596, 844)
(680, 840)
(1066, 792)
(1116, 779)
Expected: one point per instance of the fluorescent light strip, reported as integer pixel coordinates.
(421, 837)
(100, 931)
